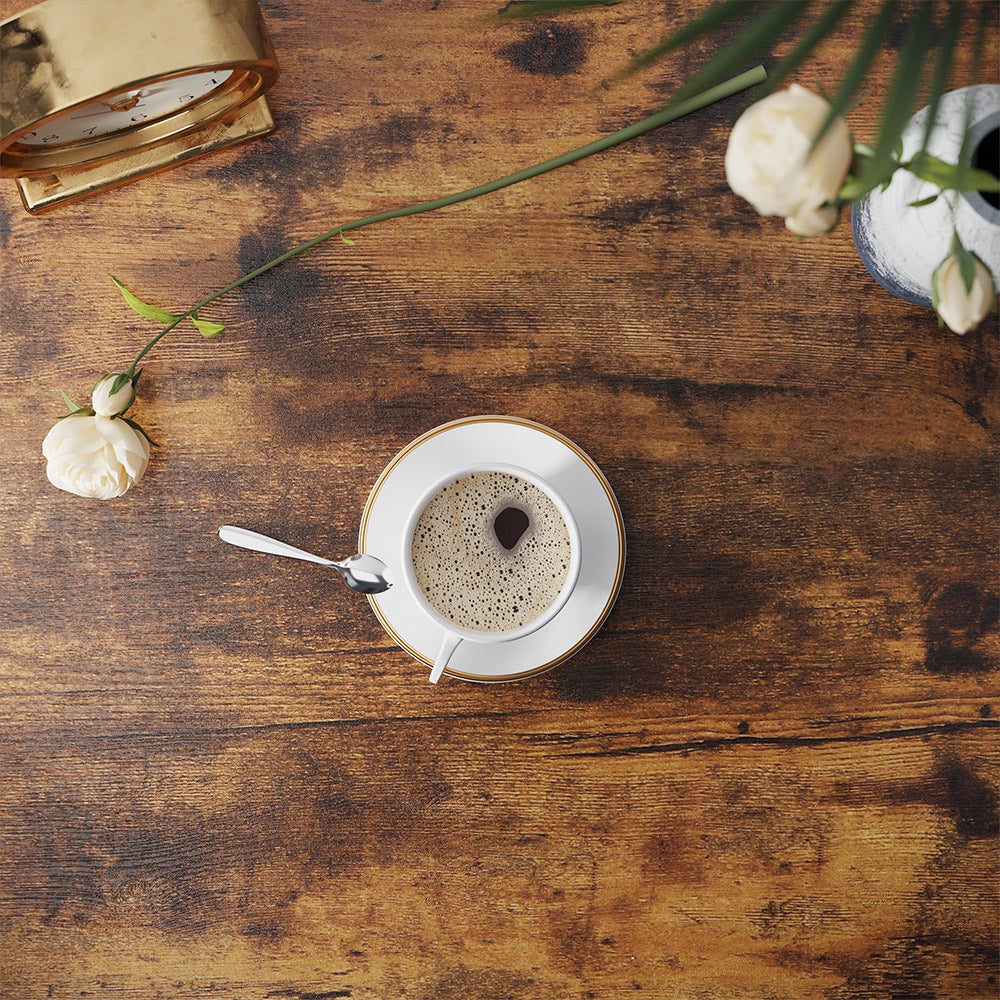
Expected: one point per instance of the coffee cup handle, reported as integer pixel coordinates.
(448, 646)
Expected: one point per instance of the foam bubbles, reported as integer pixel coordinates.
(465, 572)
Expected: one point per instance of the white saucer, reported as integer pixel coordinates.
(549, 455)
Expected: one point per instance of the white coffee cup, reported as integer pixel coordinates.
(453, 634)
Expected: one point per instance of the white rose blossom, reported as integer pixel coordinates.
(769, 163)
(98, 452)
(960, 307)
(95, 456)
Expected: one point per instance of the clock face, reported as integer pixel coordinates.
(125, 110)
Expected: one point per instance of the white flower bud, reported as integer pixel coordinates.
(95, 456)
(768, 159)
(108, 404)
(962, 309)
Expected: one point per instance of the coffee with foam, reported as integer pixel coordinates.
(491, 552)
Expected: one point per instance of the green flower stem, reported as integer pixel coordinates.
(668, 114)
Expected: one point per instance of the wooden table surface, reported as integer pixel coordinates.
(772, 774)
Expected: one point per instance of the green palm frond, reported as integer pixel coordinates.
(930, 35)
(986, 16)
(865, 55)
(946, 52)
(760, 33)
(820, 30)
(718, 16)
(899, 102)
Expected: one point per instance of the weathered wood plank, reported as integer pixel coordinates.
(773, 772)
(447, 858)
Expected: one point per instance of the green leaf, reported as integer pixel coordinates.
(74, 410)
(920, 202)
(966, 266)
(206, 328)
(900, 98)
(936, 292)
(69, 402)
(816, 34)
(119, 381)
(931, 169)
(140, 429)
(143, 308)
(950, 176)
(854, 188)
(344, 239)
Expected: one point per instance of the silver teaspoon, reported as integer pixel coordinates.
(361, 572)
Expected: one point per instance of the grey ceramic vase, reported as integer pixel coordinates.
(902, 245)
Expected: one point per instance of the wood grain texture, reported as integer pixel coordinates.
(773, 772)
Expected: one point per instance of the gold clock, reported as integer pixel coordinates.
(96, 93)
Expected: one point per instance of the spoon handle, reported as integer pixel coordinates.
(247, 539)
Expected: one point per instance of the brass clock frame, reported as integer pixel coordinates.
(64, 54)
